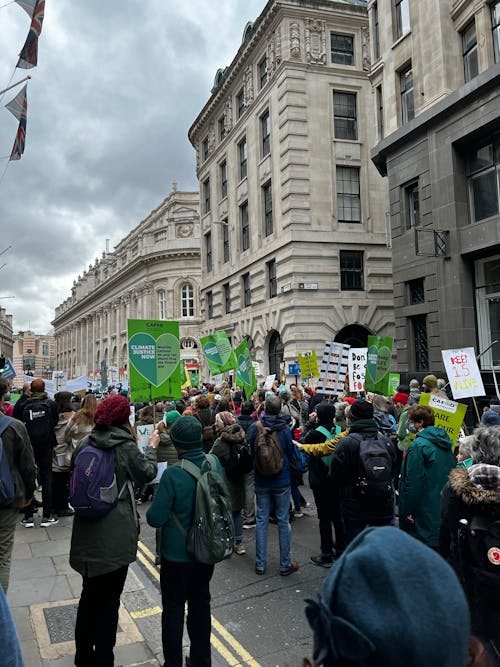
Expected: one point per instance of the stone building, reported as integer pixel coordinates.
(153, 273)
(33, 354)
(295, 247)
(436, 80)
(6, 339)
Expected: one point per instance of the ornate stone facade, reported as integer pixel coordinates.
(6, 339)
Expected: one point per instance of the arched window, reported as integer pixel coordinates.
(188, 344)
(162, 305)
(187, 300)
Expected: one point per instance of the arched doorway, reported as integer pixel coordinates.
(276, 354)
(354, 335)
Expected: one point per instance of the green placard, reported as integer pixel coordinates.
(154, 356)
(378, 364)
(245, 372)
(394, 382)
(218, 352)
(447, 414)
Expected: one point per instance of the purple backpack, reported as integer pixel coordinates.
(93, 488)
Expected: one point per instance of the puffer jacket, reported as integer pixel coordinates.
(102, 545)
(19, 452)
(229, 436)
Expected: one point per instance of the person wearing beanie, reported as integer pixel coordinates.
(358, 510)
(430, 386)
(490, 418)
(182, 578)
(392, 601)
(102, 549)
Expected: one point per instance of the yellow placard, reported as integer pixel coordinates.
(449, 415)
(308, 363)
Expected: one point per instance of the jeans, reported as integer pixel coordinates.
(181, 583)
(8, 520)
(281, 500)
(43, 460)
(238, 527)
(297, 497)
(97, 618)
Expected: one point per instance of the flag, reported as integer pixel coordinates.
(29, 53)
(19, 108)
(28, 6)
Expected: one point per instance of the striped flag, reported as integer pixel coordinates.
(28, 6)
(19, 108)
(29, 54)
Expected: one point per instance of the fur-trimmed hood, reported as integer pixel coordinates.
(473, 495)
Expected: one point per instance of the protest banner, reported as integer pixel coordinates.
(218, 352)
(357, 368)
(378, 363)
(8, 372)
(394, 382)
(245, 373)
(333, 369)
(154, 360)
(448, 415)
(143, 434)
(308, 363)
(269, 381)
(463, 373)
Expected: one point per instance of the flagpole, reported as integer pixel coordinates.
(14, 85)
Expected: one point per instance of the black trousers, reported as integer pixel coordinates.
(181, 583)
(328, 507)
(97, 619)
(43, 460)
(60, 491)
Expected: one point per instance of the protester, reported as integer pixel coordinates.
(430, 386)
(11, 655)
(245, 419)
(17, 413)
(81, 422)
(61, 460)
(202, 411)
(103, 548)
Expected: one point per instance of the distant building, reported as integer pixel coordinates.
(153, 273)
(34, 354)
(6, 338)
(295, 245)
(436, 80)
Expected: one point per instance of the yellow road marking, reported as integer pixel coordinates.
(223, 651)
(143, 613)
(150, 568)
(146, 552)
(234, 644)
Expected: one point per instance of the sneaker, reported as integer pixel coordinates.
(67, 512)
(304, 503)
(323, 560)
(298, 515)
(249, 525)
(28, 523)
(290, 570)
(260, 570)
(239, 550)
(49, 521)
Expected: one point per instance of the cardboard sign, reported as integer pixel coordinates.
(333, 369)
(357, 368)
(463, 372)
(449, 415)
(269, 381)
(378, 364)
(143, 435)
(308, 363)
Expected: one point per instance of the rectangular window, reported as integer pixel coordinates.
(402, 17)
(420, 342)
(469, 52)
(245, 228)
(265, 132)
(226, 255)
(416, 291)
(223, 179)
(376, 32)
(271, 278)
(210, 305)
(412, 206)
(495, 26)
(221, 124)
(380, 112)
(348, 194)
(262, 71)
(240, 103)
(206, 196)
(267, 199)
(344, 112)
(342, 49)
(227, 298)
(208, 251)
(247, 294)
(483, 168)
(407, 103)
(242, 153)
(351, 270)
(204, 149)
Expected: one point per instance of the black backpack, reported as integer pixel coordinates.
(240, 460)
(376, 463)
(38, 419)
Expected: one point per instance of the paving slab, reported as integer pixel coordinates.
(22, 568)
(22, 621)
(131, 654)
(31, 656)
(50, 548)
(29, 535)
(20, 551)
(36, 591)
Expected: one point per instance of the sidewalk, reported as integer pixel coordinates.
(43, 596)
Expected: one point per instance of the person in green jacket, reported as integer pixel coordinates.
(102, 549)
(425, 471)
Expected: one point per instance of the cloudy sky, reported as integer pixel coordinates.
(117, 86)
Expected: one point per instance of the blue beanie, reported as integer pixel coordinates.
(390, 600)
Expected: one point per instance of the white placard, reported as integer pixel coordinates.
(357, 368)
(463, 372)
(131, 416)
(162, 466)
(333, 369)
(143, 434)
(269, 381)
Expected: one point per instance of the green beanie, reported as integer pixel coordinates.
(171, 416)
(186, 433)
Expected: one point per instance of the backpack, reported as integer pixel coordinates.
(93, 489)
(7, 488)
(240, 460)
(268, 451)
(211, 538)
(38, 420)
(375, 479)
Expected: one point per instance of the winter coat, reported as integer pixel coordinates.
(102, 545)
(245, 421)
(62, 448)
(176, 495)
(19, 452)
(166, 450)
(75, 431)
(424, 473)
(282, 479)
(32, 402)
(229, 436)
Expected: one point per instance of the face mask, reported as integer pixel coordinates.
(410, 427)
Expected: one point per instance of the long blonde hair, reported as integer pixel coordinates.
(85, 415)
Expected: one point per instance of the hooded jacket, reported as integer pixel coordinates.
(425, 471)
(102, 545)
(227, 438)
(62, 447)
(19, 454)
(282, 479)
(35, 399)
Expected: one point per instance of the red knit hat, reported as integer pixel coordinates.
(349, 399)
(114, 410)
(400, 398)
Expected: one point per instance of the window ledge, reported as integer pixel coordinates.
(400, 39)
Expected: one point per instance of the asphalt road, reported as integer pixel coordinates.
(257, 620)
